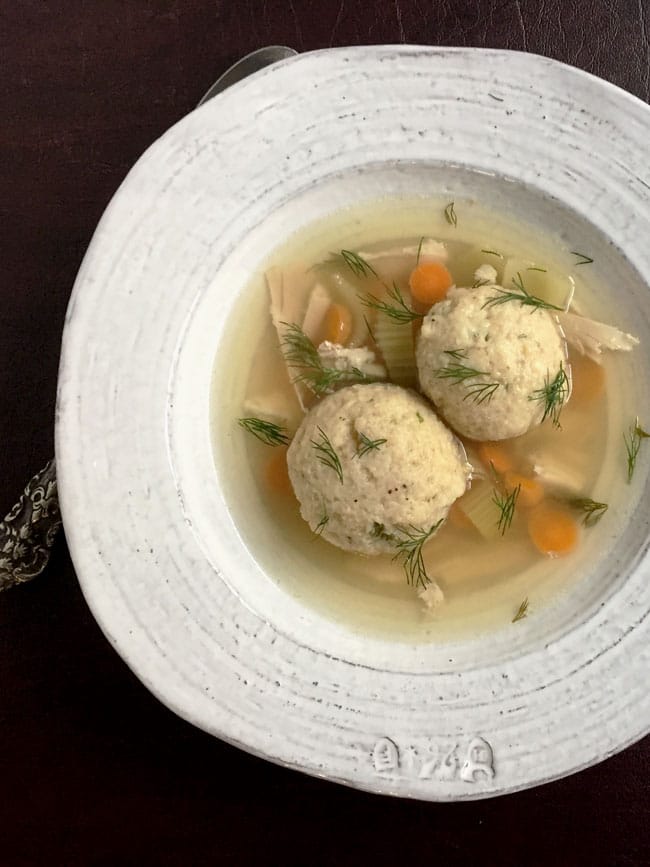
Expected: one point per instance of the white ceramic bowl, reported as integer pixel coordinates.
(161, 562)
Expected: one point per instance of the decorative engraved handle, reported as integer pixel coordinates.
(28, 531)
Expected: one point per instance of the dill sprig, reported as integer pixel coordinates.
(522, 296)
(301, 353)
(359, 266)
(266, 431)
(379, 532)
(522, 611)
(584, 260)
(632, 445)
(506, 504)
(554, 394)
(450, 215)
(369, 330)
(367, 445)
(542, 270)
(478, 283)
(480, 392)
(592, 510)
(492, 253)
(460, 373)
(326, 454)
(417, 258)
(409, 552)
(399, 311)
(322, 523)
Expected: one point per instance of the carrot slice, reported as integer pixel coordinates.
(588, 379)
(552, 529)
(429, 282)
(495, 455)
(531, 492)
(337, 325)
(276, 472)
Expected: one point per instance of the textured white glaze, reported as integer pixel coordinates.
(162, 565)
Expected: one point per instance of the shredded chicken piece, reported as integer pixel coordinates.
(432, 596)
(351, 359)
(486, 274)
(430, 251)
(590, 338)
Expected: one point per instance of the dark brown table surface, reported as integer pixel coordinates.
(93, 770)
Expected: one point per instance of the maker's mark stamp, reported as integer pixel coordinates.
(430, 763)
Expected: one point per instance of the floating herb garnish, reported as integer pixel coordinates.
(522, 611)
(399, 311)
(367, 445)
(592, 510)
(506, 504)
(326, 454)
(554, 395)
(450, 215)
(460, 373)
(522, 296)
(492, 253)
(322, 523)
(584, 260)
(300, 352)
(409, 552)
(417, 258)
(359, 266)
(266, 431)
(632, 445)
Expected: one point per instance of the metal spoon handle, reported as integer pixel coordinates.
(28, 531)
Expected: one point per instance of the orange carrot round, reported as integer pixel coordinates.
(276, 472)
(531, 492)
(552, 529)
(429, 282)
(495, 455)
(337, 326)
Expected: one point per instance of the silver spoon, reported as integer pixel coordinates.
(246, 66)
(29, 529)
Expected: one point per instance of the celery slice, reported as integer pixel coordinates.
(549, 285)
(479, 506)
(396, 344)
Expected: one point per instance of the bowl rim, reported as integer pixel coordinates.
(89, 538)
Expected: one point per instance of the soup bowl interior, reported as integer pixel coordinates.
(175, 551)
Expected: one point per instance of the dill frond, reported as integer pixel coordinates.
(399, 310)
(326, 454)
(554, 395)
(409, 552)
(506, 505)
(592, 510)
(460, 373)
(522, 611)
(522, 296)
(266, 431)
(300, 352)
(367, 445)
(450, 215)
(632, 441)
